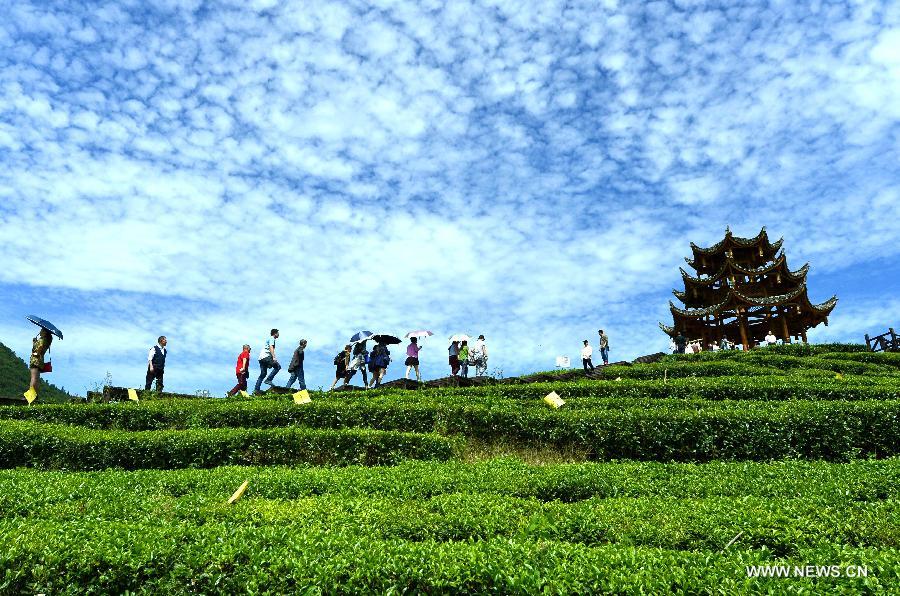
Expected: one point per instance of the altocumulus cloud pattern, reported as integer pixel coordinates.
(531, 171)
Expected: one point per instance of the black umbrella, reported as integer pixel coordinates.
(384, 338)
(43, 323)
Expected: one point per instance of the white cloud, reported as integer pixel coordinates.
(530, 171)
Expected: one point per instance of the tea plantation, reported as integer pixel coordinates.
(672, 477)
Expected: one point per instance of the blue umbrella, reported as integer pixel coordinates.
(45, 324)
(360, 336)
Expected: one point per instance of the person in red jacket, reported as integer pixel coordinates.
(242, 370)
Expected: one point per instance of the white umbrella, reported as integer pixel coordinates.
(420, 333)
(459, 337)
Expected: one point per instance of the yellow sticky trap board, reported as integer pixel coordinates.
(839, 376)
(553, 400)
(132, 395)
(30, 395)
(239, 492)
(244, 394)
(302, 397)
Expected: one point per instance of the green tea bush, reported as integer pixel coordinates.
(57, 446)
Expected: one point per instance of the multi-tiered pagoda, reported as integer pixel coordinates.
(744, 289)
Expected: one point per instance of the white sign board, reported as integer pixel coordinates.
(562, 361)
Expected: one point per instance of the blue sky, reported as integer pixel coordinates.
(531, 171)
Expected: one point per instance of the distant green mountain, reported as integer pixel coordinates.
(14, 379)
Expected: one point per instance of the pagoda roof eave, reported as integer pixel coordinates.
(733, 297)
(731, 241)
(781, 262)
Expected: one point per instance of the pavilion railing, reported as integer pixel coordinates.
(886, 342)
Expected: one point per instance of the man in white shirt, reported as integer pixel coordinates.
(771, 339)
(480, 355)
(156, 364)
(586, 353)
(267, 360)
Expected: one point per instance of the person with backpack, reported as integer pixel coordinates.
(296, 366)
(480, 356)
(453, 359)
(268, 360)
(156, 364)
(464, 358)
(412, 357)
(379, 360)
(358, 362)
(341, 362)
(604, 346)
(242, 371)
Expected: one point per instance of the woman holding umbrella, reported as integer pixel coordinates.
(412, 351)
(380, 357)
(412, 358)
(39, 347)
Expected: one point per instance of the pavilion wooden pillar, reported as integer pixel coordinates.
(743, 325)
(785, 334)
(803, 334)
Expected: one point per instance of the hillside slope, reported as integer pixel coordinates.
(14, 378)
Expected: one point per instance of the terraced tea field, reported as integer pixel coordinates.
(668, 477)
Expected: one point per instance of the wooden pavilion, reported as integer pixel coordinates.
(743, 288)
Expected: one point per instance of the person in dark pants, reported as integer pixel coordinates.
(453, 358)
(156, 364)
(586, 352)
(296, 366)
(242, 371)
(341, 362)
(680, 343)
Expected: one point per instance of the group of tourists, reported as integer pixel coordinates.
(587, 351)
(681, 345)
(353, 358)
(356, 358)
(461, 356)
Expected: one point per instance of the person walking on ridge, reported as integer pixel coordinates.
(412, 357)
(341, 362)
(296, 366)
(604, 346)
(268, 359)
(464, 358)
(480, 355)
(358, 361)
(242, 371)
(156, 364)
(453, 357)
(586, 352)
(39, 346)
(379, 360)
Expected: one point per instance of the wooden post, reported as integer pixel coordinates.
(803, 335)
(784, 328)
(868, 343)
(743, 327)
